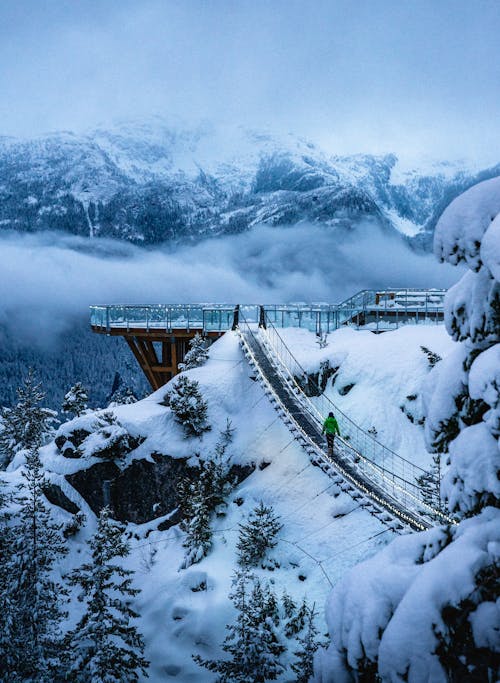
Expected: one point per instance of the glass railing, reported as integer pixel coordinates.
(369, 309)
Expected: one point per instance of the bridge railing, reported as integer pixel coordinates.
(389, 470)
(375, 309)
(206, 317)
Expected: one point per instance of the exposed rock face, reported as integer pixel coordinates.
(55, 495)
(142, 491)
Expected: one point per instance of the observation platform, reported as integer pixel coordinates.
(159, 334)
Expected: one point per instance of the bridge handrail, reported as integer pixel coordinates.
(320, 394)
(406, 505)
(393, 467)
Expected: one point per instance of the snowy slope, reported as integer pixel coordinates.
(387, 373)
(324, 531)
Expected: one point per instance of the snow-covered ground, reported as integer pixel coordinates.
(324, 531)
(387, 373)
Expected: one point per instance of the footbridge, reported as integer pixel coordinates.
(380, 480)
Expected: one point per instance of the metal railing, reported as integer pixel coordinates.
(390, 471)
(373, 309)
(212, 317)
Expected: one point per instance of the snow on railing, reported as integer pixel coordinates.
(390, 471)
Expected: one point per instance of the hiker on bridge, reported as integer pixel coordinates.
(330, 428)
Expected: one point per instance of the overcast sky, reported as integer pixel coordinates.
(420, 76)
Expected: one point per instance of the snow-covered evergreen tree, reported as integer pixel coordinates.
(32, 600)
(442, 584)
(203, 496)
(430, 484)
(309, 643)
(196, 523)
(188, 406)
(297, 618)
(28, 424)
(105, 644)
(75, 400)
(252, 641)
(197, 354)
(258, 535)
(123, 397)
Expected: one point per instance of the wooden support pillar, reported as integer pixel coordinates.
(159, 363)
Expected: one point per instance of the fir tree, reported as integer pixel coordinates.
(33, 641)
(188, 406)
(432, 357)
(196, 523)
(252, 641)
(201, 497)
(297, 619)
(288, 604)
(430, 484)
(107, 647)
(75, 400)
(28, 424)
(303, 667)
(124, 396)
(257, 536)
(197, 354)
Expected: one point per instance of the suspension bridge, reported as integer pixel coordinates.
(380, 480)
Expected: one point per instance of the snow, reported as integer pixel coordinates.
(460, 229)
(473, 473)
(325, 533)
(490, 248)
(378, 607)
(404, 225)
(385, 369)
(469, 307)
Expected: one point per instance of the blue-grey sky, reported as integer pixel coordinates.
(411, 76)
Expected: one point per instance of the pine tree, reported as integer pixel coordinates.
(27, 425)
(197, 354)
(195, 523)
(297, 620)
(303, 667)
(124, 396)
(188, 406)
(257, 536)
(252, 641)
(203, 496)
(31, 628)
(7, 539)
(430, 484)
(75, 400)
(107, 648)
(432, 357)
(288, 604)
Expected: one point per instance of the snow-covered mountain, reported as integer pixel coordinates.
(136, 460)
(152, 182)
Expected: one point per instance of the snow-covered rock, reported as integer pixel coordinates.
(152, 181)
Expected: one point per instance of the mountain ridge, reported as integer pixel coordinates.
(149, 183)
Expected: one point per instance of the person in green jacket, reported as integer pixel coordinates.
(330, 428)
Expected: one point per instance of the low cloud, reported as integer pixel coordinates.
(47, 279)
